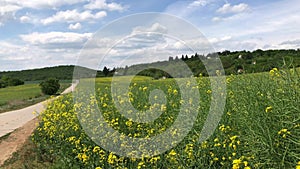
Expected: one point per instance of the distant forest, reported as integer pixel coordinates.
(233, 63)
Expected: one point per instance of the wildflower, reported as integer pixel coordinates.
(98, 168)
(284, 132)
(268, 109)
(154, 159)
(233, 138)
(128, 123)
(208, 91)
(84, 157)
(216, 159)
(172, 153)
(175, 92)
(96, 149)
(163, 108)
(298, 165)
(236, 163)
(141, 164)
(111, 158)
(274, 72)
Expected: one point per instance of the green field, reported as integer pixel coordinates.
(260, 127)
(11, 97)
(16, 97)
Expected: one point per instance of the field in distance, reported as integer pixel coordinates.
(17, 97)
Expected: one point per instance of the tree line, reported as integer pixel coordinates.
(234, 62)
(6, 81)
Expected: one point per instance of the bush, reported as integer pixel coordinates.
(15, 82)
(50, 86)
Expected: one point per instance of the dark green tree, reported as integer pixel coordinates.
(50, 86)
(105, 71)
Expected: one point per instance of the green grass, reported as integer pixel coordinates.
(260, 127)
(16, 97)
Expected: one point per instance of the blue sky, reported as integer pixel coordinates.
(36, 33)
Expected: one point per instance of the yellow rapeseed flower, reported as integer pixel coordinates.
(96, 149)
(111, 158)
(141, 165)
(236, 161)
(172, 153)
(268, 109)
(298, 165)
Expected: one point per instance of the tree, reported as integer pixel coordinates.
(15, 82)
(50, 86)
(105, 71)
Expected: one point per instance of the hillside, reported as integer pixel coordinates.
(59, 72)
(233, 63)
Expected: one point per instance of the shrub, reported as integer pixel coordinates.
(15, 82)
(50, 86)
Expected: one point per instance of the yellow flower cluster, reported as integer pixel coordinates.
(284, 133)
(274, 72)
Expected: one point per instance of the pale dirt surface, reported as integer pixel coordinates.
(21, 123)
(16, 139)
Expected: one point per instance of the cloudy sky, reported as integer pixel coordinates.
(38, 33)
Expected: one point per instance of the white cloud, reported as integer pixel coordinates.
(56, 38)
(15, 56)
(72, 16)
(75, 26)
(41, 4)
(7, 12)
(228, 8)
(6, 8)
(102, 4)
(25, 19)
(186, 8)
(198, 3)
(156, 27)
(222, 39)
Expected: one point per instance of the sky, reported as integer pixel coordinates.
(37, 33)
